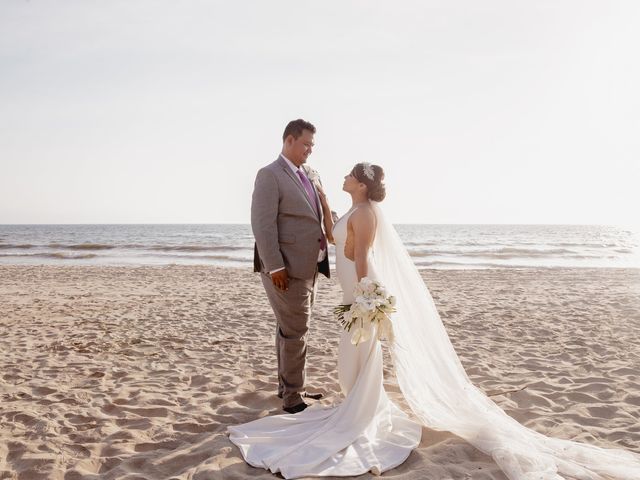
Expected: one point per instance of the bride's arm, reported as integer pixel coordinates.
(326, 212)
(363, 224)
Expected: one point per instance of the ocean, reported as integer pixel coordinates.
(430, 246)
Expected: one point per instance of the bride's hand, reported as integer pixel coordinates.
(322, 196)
(328, 214)
(330, 238)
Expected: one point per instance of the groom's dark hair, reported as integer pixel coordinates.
(295, 128)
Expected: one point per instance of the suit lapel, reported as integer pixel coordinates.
(285, 167)
(316, 197)
(317, 200)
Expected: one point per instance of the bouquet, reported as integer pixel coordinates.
(372, 305)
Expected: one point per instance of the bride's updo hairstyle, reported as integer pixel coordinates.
(372, 176)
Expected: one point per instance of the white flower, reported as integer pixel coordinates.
(365, 288)
(312, 175)
(366, 282)
(370, 304)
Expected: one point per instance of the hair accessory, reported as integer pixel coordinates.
(367, 169)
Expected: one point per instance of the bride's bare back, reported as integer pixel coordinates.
(361, 229)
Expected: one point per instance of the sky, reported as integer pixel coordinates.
(157, 111)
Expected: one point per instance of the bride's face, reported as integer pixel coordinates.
(351, 184)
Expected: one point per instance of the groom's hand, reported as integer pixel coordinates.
(280, 279)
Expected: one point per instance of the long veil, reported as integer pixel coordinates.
(439, 392)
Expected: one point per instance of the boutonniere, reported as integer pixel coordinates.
(312, 175)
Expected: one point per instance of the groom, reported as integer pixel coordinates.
(290, 250)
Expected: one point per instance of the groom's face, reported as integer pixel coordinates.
(300, 148)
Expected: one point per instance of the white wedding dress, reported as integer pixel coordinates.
(366, 432)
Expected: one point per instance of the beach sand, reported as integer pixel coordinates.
(136, 372)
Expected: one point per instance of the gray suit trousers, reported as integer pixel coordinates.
(292, 309)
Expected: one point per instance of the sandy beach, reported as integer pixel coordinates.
(136, 372)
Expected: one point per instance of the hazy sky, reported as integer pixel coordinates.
(151, 111)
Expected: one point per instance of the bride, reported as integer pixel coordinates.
(368, 432)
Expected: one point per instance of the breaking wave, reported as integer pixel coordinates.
(57, 255)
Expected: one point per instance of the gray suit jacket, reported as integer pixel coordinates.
(285, 225)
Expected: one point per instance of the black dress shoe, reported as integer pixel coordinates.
(296, 408)
(312, 396)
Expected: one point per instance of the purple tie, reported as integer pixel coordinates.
(311, 194)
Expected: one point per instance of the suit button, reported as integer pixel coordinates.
(319, 239)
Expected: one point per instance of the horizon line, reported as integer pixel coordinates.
(398, 223)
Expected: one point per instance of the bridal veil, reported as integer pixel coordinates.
(440, 394)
